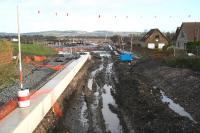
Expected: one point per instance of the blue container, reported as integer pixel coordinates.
(126, 57)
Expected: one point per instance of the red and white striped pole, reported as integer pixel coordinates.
(23, 94)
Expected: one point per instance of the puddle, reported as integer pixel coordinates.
(112, 122)
(83, 118)
(176, 107)
(111, 119)
(105, 54)
(97, 96)
(92, 76)
(90, 83)
(97, 92)
(109, 68)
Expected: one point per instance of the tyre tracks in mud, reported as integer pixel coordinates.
(111, 98)
(104, 113)
(91, 108)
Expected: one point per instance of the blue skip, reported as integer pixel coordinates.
(126, 57)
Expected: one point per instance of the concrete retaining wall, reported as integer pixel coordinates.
(26, 120)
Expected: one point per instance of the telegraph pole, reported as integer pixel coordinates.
(19, 47)
(131, 42)
(23, 94)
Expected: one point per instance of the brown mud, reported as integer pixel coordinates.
(140, 100)
(109, 96)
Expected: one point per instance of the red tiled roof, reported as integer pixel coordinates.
(192, 30)
(150, 33)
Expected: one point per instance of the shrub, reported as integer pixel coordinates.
(193, 47)
(5, 46)
(190, 63)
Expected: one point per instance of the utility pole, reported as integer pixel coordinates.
(122, 43)
(23, 94)
(19, 47)
(131, 42)
(106, 37)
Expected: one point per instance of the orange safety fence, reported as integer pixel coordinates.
(11, 105)
(27, 59)
(8, 108)
(56, 68)
(39, 58)
(57, 109)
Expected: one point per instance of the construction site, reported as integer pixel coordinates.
(74, 66)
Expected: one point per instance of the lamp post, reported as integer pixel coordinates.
(23, 94)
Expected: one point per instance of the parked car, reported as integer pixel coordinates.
(82, 53)
(76, 56)
(68, 56)
(60, 58)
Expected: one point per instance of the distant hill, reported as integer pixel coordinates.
(72, 33)
(7, 34)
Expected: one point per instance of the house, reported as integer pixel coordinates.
(154, 39)
(14, 39)
(188, 32)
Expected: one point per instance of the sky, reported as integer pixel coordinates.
(131, 15)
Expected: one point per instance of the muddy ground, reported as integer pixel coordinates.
(90, 108)
(139, 97)
(109, 96)
(52, 120)
(182, 85)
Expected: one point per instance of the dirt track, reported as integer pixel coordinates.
(90, 108)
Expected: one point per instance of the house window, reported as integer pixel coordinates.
(157, 37)
(178, 44)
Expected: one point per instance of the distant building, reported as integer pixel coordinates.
(14, 40)
(188, 32)
(154, 39)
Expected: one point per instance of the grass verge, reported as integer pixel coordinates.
(34, 49)
(8, 75)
